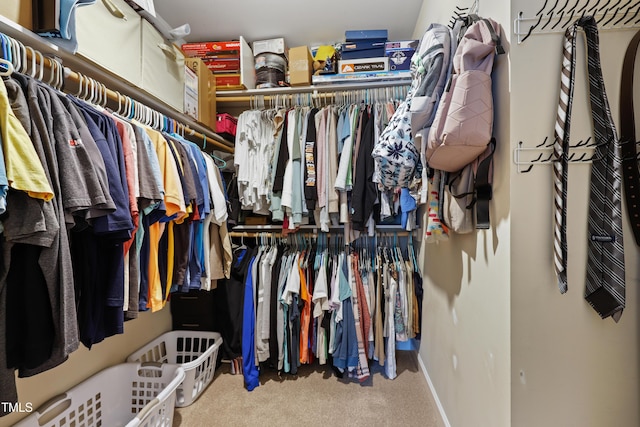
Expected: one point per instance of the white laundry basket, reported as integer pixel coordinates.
(195, 351)
(128, 394)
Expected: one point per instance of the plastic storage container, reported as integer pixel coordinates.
(195, 351)
(128, 394)
(226, 126)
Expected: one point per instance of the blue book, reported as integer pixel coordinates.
(365, 53)
(352, 35)
(363, 45)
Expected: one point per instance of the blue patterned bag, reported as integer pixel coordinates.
(395, 154)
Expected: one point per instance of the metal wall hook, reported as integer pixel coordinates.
(584, 8)
(572, 158)
(582, 144)
(553, 8)
(616, 5)
(545, 153)
(626, 12)
(528, 169)
(559, 20)
(544, 143)
(595, 10)
(574, 6)
(543, 6)
(595, 158)
(612, 17)
(563, 7)
(634, 15)
(610, 14)
(570, 20)
(547, 160)
(548, 21)
(531, 28)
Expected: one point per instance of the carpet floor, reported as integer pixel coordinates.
(316, 397)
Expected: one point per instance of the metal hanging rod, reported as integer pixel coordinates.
(556, 15)
(250, 234)
(97, 83)
(314, 228)
(317, 94)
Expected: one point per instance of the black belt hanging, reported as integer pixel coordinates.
(630, 172)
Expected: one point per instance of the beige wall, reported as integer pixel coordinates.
(466, 331)
(83, 363)
(526, 355)
(569, 367)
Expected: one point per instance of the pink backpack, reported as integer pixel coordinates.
(463, 124)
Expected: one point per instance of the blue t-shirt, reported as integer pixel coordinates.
(249, 369)
(202, 183)
(118, 225)
(105, 264)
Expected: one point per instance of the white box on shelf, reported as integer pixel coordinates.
(364, 65)
(190, 93)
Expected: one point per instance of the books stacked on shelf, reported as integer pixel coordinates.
(367, 55)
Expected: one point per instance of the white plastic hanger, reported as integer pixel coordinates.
(7, 68)
(40, 57)
(16, 55)
(32, 72)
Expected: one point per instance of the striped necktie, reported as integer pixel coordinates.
(561, 162)
(605, 260)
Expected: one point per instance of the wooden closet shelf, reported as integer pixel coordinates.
(116, 87)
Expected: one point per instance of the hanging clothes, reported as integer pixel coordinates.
(303, 165)
(88, 224)
(306, 300)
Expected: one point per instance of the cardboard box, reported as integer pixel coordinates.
(190, 93)
(300, 66)
(228, 81)
(201, 49)
(22, 12)
(400, 53)
(276, 46)
(243, 78)
(223, 65)
(213, 108)
(363, 65)
(198, 67)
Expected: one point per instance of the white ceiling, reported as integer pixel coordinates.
(300, 22)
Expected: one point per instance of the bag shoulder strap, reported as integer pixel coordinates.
(494, 37)
(484, 190)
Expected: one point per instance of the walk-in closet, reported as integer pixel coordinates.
(339, 213)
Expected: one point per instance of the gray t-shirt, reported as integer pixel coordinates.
(87, 155)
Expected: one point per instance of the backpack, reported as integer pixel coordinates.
(463, 125)
(460, 142)
(395, 155)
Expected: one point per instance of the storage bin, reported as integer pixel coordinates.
(226, 126)
(193, 311)
(195, 351)
(128, 394)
